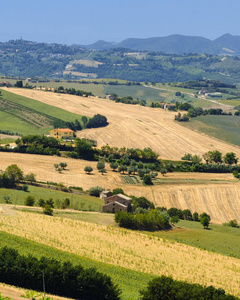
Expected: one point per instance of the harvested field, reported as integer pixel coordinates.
(216, 194)
(129, 249)
(134, 126)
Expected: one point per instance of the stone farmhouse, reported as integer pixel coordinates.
(116, 203)
(61, 133)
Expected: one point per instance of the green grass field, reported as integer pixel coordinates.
(79, 202)
(28, 116)
(226, 128)
(137, 92)
(129, 281)
(221, 239)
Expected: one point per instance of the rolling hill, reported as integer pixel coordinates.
(176, 44)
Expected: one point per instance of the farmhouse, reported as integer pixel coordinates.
(105, 194)
(61, 133)
(115, 203)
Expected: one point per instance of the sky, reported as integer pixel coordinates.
(85, 22)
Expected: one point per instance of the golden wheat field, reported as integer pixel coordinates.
(216, 194)
(133, 126)
(128, 249)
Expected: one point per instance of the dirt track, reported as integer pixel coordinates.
(134, 126)
(218, 198)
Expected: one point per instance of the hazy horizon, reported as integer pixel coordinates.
(80, 22)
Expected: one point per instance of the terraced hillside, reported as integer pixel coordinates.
(216, 194)
(134, 126)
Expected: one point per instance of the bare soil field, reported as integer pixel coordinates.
(134, 126)
(129, 249)
(216, 194)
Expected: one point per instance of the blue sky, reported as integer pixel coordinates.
(85, 22)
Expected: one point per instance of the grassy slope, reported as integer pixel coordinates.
(226, 127)
(128, 280)
(85, 202)
(220, 239)
(12, 123)
(41, 107)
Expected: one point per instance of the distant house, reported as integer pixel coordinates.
(61, 133)
(116, 203)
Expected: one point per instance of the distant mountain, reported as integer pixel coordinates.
(177, 44)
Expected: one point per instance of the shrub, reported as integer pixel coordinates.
(88, 169)
(147, 179)
(117, 191)
(151, 221)
(95, 191)
(232, 223)
(50, 202)
(47, 210)
(29, 201)
(41, 203)
(165, 288)
(25, 187)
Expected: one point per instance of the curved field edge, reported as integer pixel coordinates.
(134, 126)
(128, 249)
(28, 116)
(129, 281)
(224, 127)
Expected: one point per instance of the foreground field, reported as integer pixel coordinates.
(128, 249)
(216, 194)
(133, 126)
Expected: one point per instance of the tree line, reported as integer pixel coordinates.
(63, 279)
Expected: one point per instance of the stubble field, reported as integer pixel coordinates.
(134, 126)
(216, 194)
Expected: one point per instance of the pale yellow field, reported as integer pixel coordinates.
(128, 249)
(16, 293)
(134, 126)
(220, 198)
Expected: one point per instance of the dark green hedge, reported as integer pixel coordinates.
(60, 279)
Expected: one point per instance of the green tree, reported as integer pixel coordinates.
(205, 222)
(230, 158)
(84, 120)
(117, 191)
(48, 210)
(147, 179)
(29, 201)
(213, 157)
(163, 171)
(30, 177)
(195, 217)
(50, 202)
(14, 173)
(95, 191)
(63, 165)
(122, 168)
(83, 148)
(41, 202)
(101, 167)
(88, 169)
(25, 187)
(113, 165)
